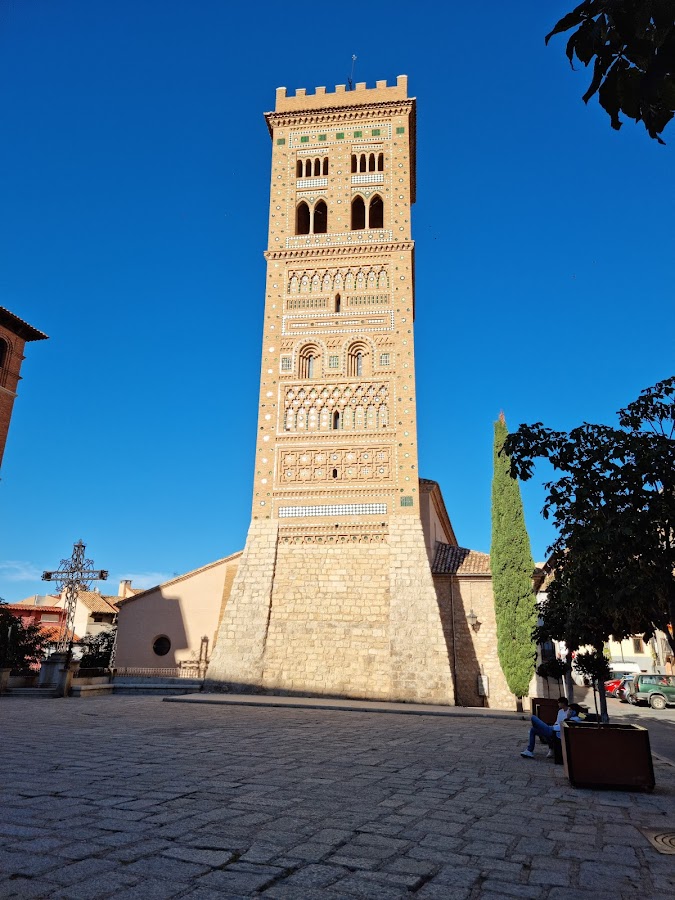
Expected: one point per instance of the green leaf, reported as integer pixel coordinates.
(570, 20)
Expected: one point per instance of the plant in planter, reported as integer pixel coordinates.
(553, 670)
(613, 502)
(613, 561)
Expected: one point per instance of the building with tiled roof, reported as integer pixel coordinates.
(14, 335)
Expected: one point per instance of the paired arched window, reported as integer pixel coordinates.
(311, 168)
(367, 162)
(308, 362)
(311, 221)
(375, 213)
(357, 360)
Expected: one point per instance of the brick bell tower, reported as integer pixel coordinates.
(334, 594)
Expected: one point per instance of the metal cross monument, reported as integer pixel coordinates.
(73, 575)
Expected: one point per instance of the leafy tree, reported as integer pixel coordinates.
(633, 45)
(97, 649)
(21, 646)
(613, 503)
(512, 567)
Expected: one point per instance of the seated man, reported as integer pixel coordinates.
(550, 732)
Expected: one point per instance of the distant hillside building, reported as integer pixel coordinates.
(14, 335)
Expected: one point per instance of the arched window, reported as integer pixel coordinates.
(308, 168)
(298, 169)
(308, 366)
(317, 166)
(4, 352)
(355, 162)
(362, 165)
(338, 303)
(358, 214)
(325, 165)
(376, 212)
(302, 219)
(336, 424)
(371, 162)
(356, 360)
(320, 218)
(380, 162)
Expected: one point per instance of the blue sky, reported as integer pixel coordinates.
(133, 215)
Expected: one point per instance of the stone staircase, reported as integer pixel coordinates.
(43, 692)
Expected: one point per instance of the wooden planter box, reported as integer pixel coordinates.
(546, 709)
(607, 756)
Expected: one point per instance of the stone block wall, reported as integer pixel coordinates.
(353, 619)
(474, 652)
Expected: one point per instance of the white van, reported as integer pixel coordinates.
(623, 669)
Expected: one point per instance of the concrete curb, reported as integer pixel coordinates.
(363, 706)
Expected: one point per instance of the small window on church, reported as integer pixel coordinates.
(308, 168)
(302, 219)
(286, 364)
(358, 214)
(363, 163)
(334, 473)
(380, 162)
(338, 303)
(320, 218)
(406, 501)
(384, 359)
(355, 162)
(298, 169)
(325, 166)
(376, 212)
(317, 166)
(333, 362)
(336, 426)
(161, 645)
(3, 352)
(371, 162)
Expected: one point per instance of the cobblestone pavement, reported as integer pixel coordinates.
(134, 798)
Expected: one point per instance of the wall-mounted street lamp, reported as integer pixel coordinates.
(472, 619)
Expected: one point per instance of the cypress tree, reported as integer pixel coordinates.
(512, 567)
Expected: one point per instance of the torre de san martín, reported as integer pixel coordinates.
(351, 582)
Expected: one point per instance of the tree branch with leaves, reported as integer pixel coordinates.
(632, 46)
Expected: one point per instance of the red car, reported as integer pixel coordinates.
(611, 686)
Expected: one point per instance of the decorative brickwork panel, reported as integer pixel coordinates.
(333, 464)
(361, 407)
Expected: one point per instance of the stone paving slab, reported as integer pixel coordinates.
(133, 798)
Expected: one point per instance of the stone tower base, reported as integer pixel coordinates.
(349, 614)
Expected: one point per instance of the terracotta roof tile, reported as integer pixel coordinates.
(98, 603)
(449, 560)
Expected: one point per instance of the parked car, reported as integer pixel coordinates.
(611, 686)
(623, 690)
(656, 690)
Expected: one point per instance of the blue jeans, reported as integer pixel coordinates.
(539, 729)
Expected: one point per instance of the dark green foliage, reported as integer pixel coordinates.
(632, 43)
(21, 646)
(512, 568)
(97, 649)
(614, 506)
(594, 665)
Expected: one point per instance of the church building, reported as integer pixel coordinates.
(351, 582)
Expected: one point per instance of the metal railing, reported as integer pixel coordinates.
(160, 672)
